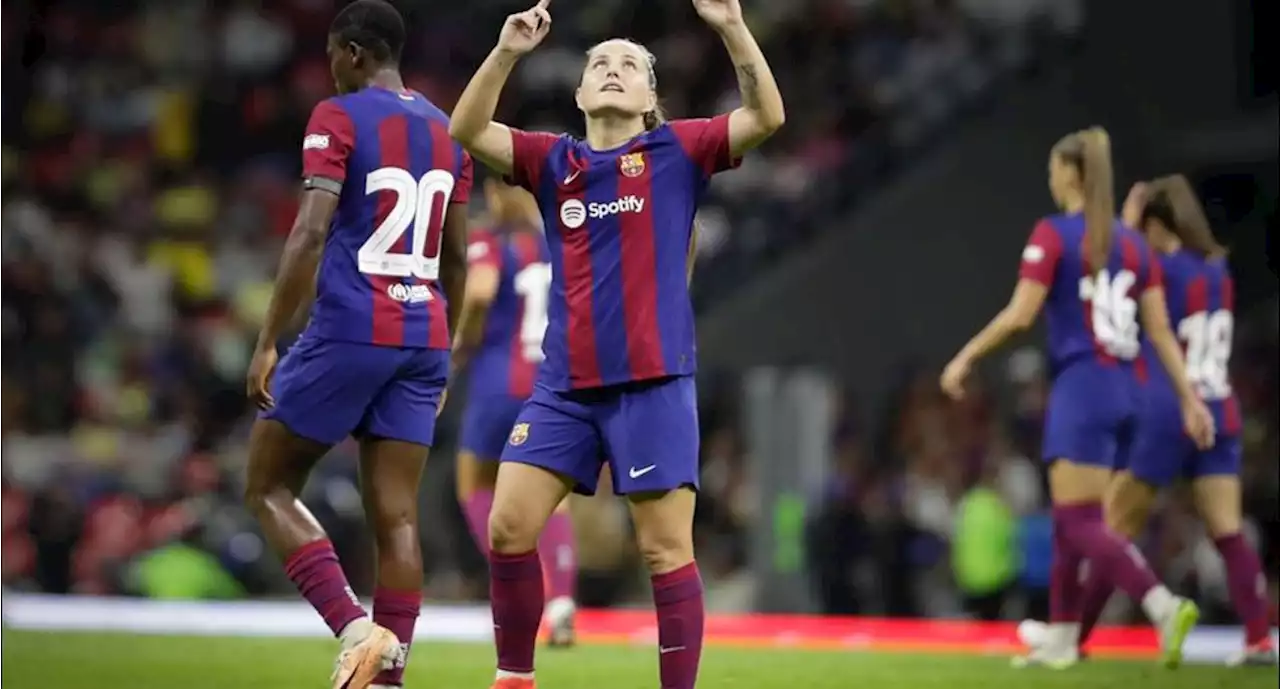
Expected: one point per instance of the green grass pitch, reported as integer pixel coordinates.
(113, 661)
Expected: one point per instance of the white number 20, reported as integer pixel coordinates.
(533, 283)
(1114, 313)
(421, 204)
(1208, 340)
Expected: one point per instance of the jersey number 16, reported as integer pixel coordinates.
(420, 204)
(1114, 316)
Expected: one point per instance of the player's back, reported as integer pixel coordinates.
(1200, 295)
(507, 360)
(378, 280)
(1091, 316)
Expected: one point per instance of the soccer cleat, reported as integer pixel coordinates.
(1047, 657)
(1261, 654)
(358, 664)
(1174, 631)
(1033, 633)
(514, 683)
(559, 622)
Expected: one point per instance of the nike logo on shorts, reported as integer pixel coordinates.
(637, 473)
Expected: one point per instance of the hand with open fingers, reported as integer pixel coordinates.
(258, 382)
(523, 31)
(1198, 422)
(953, 377)
(719, 13)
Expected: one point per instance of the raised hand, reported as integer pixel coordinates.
(523, 31)
(953, 377)
(1133, 205)
(719, 13)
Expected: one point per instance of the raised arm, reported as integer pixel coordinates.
(761, 113)
(471, 123)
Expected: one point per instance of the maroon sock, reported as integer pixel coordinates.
(314, 569)
(1248, 587)
(1111, 556)
(560, 556)
(678, 598)
(1097, 591)
(1064, 578)
(476, 509)
(515, 592)
(397, 611)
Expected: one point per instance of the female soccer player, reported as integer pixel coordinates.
(504, 316)
(617, 382)
(1200, 303)
(1085, 273)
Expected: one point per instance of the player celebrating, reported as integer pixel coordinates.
(1087, 281)
(1200, 303)
(617, 381)
(504, 316)
(382, 226)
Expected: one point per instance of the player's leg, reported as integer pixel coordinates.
(651, 437)
(1128, 506)
(553, 448)
(1216, 491)
(486, 423)
(318, 402)
(395, 436)
(559, 551)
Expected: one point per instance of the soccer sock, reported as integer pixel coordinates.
(560, 553)
(397, 611)
(1248, 588)
(476, 509)
(678, 598)
(517, 597)
(1097, 591)
(1064, 578)
(314, 569)
(1113, 558)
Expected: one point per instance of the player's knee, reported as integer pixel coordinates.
(259, 494)
(510, 531)
(665, 550)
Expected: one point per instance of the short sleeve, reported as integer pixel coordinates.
(327, 144)
(529, 152)
(466, 177)
(706, 142)
(1155, 272)
(1041, 255)
(482, 250)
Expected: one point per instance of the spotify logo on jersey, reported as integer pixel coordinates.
(573, 214)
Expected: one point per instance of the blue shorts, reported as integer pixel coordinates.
(487, 422)
(1090, 416)
(647, 431)
(1163, 453)
(326, 390)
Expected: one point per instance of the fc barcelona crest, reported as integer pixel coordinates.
(519, 434)
(631, 164)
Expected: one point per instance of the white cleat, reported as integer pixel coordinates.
(559, 617)
(1047, 657)
(1258, 655)
(1033, 633)
(367, 650)
(1049, 646)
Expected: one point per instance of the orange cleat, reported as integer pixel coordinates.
(359, 665)
(514, 683)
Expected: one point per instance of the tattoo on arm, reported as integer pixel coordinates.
(749, 86)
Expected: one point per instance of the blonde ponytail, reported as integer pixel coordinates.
(1099, 196)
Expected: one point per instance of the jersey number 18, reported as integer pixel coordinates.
(420, 204)
(1208, 340)
(1114, 314)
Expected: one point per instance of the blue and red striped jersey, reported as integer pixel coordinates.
(1200, 295)
(508, 358)
(399, 172)
(1089, 315)
(619, 225)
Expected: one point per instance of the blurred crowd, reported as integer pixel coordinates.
(150, 159)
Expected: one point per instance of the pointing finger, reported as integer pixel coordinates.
(542, 4)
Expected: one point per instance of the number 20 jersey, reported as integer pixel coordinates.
(399, 172)
(1201, 298)
(1089, 316)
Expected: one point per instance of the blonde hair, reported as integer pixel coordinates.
(1089, 152)
(657, 116)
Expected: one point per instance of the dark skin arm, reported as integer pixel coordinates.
(295, 282)
(453, 263)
